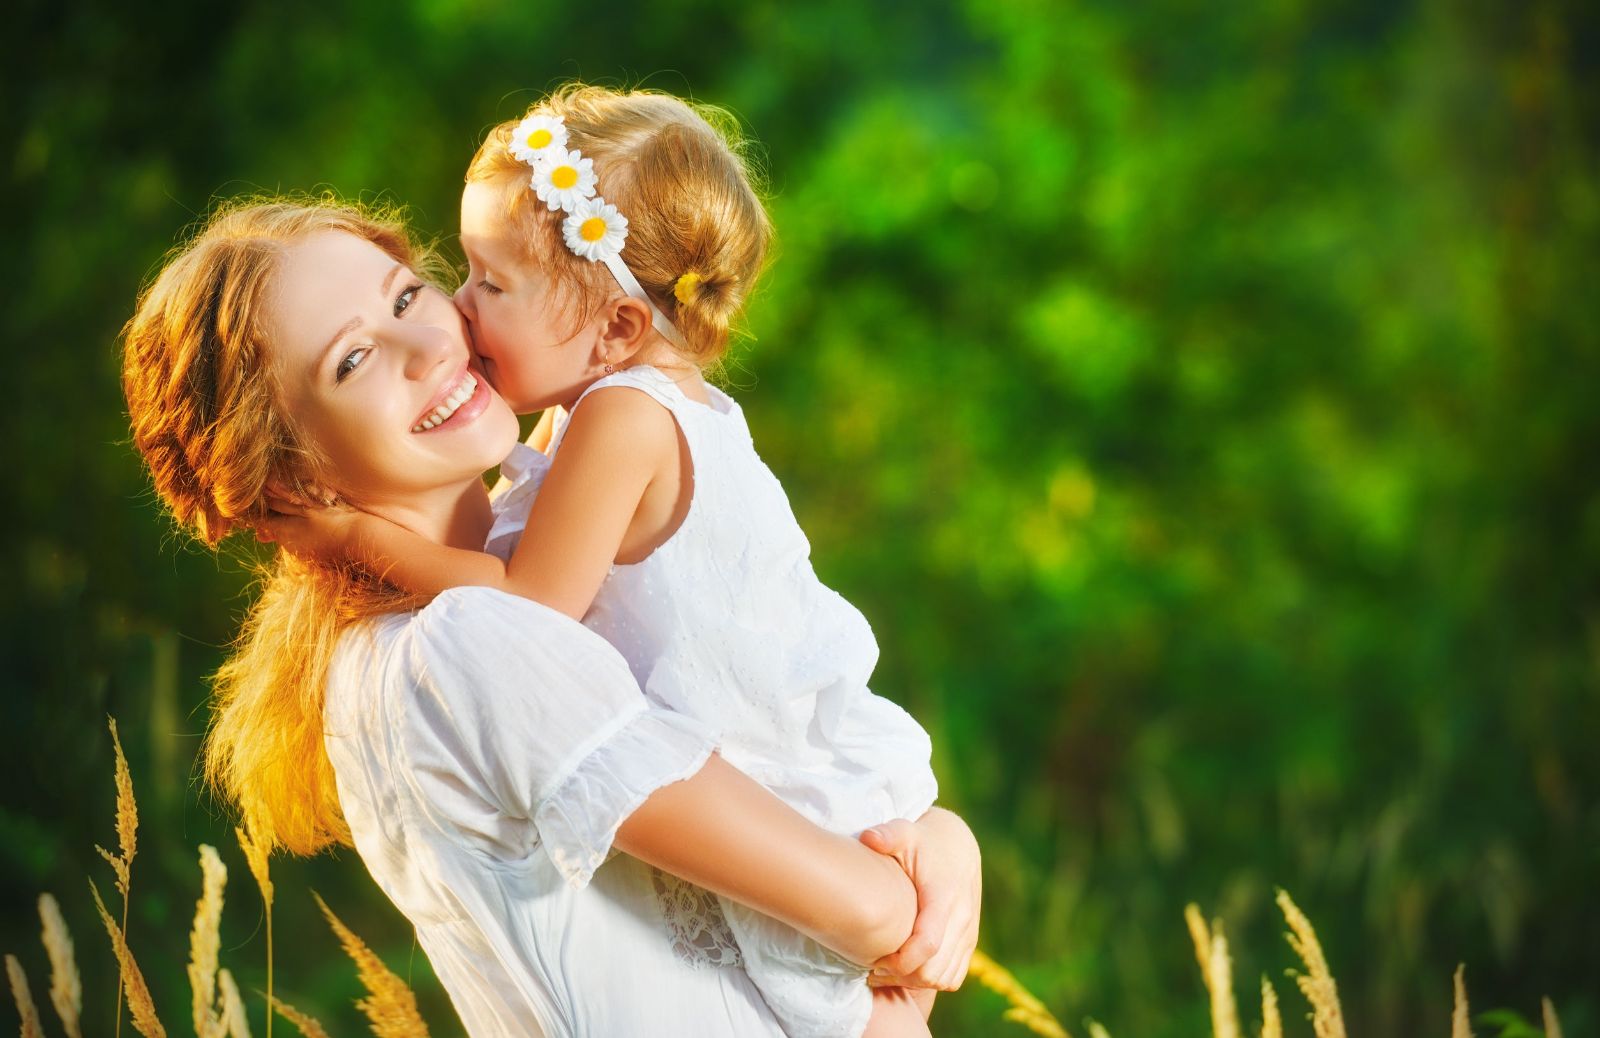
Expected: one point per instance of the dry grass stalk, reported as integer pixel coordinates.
(233, 1014)
(66, 987)
(133, 985)
(308, 1026)
(1025, 1009)
(255, 854)
(204, 942)
(1460, 1025)
(1216, 967)
(127, 841)
(1327, 1018)
(1552, 1026)
(390, 1007)
(31, 1027)
(1271, 1021)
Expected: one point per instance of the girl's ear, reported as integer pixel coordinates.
(624, 328)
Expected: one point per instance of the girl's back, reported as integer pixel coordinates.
(727, 621)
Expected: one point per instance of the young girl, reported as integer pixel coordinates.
(612, 238)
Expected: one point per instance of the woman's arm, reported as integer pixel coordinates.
(721, 830)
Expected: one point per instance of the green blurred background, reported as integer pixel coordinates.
(1202, 401)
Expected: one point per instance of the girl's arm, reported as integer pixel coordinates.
(617, 443)
(721, 830)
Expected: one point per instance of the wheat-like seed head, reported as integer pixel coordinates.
(1200, 934)
(31, 1027)
(1216, 969)
(204, 941)
(1219, 979)
(1097, 1031)
(1271, 1022)
(66, 988)
(127, 814)
(308, 1026)
(134, 987)
(233, 1014)
(1025, 1009)
(255, 855)
(1552, 1026)
(1460, 1024)
(1327, 1018)
(391, 1006)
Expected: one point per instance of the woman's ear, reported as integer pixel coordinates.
(624, 328)
(299, 498)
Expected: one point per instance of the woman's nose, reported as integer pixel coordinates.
(427, 346)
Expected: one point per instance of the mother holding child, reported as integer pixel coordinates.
(451, 683)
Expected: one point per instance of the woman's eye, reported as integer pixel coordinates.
(407, 296)
(352, 360)
(491, 289)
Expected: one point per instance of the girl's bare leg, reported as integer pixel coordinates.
(898, 1013)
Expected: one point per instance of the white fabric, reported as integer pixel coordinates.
(727, 622)
(486, 749)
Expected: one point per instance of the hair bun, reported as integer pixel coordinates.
(686, 287)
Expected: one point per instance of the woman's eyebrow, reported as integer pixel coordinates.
(355, 322)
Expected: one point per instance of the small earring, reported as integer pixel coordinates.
(610, 370)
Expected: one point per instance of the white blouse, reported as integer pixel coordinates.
(486, 750)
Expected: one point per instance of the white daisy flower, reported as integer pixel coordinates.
(536, 135)
(563, 178)
(595, 230)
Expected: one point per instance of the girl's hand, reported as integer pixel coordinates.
(312, 531)
(941, 856)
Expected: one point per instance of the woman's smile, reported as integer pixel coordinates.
(459, 401)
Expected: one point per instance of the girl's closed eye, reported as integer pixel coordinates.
(493, 290)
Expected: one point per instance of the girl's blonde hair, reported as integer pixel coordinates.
(205, 412)
(677, 170)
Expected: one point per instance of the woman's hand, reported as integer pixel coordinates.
(941, 856)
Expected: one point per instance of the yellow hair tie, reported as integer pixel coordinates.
(685, 287)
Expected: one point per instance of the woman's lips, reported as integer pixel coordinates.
(469, 409)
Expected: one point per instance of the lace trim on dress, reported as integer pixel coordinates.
(700, 935)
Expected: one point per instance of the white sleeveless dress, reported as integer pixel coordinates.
(727, 623)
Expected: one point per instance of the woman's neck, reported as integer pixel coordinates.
(456, 516)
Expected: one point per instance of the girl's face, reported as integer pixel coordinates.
(373, 368)
(532, 348)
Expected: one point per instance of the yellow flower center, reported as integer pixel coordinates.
(538, 139)
(593, 229)
(564, 177)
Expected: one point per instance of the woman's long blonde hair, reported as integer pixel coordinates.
(681, 173)
(205, 412)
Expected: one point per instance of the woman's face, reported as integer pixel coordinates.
(374, 370)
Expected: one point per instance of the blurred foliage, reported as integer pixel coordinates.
(1199, 399)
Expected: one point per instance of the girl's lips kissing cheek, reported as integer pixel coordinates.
(458, 402)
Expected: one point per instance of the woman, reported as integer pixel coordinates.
(481, 753)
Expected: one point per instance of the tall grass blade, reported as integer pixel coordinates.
(390, 1006)
(31, 1027)
(133, 985)
(66, 987)
(1316, 984)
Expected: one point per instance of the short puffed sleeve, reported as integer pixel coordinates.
(523, 728)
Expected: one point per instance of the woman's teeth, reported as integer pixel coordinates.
(463, 393)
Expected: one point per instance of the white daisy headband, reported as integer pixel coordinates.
(565, 181)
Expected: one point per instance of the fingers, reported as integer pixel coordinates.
(892, 838)
(927, 934)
